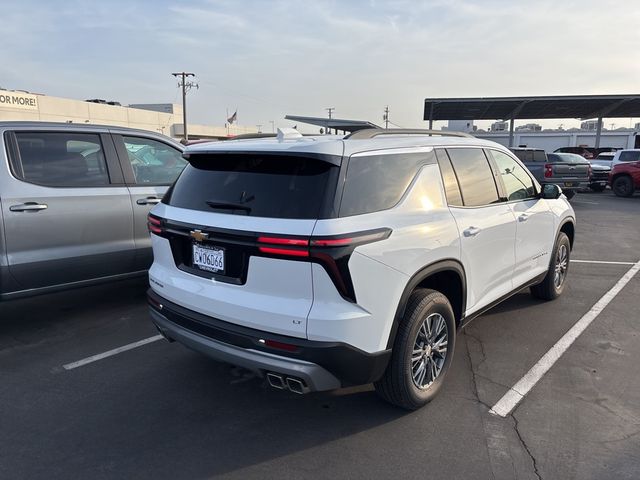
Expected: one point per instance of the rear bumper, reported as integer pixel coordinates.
(321, 365)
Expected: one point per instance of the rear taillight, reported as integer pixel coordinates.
(548, 170)
(154, 224)
(332, 252)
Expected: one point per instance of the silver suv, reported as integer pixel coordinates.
(74, 203)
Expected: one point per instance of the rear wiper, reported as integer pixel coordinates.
(228, 206)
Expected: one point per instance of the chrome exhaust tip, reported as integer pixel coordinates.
(276, 381)
(296, 386)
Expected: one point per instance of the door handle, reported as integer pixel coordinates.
(471, 232)
(148, 201)
(523, 218)
(28, 207)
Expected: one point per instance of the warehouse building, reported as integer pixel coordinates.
(163, 118)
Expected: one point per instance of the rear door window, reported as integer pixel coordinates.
(153, 162)
(452, 189)
(517, 182)
(257, 185)
(60, 159)
(377, 182)
(475, 176)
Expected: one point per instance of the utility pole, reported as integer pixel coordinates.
(273, 126)
(330, 110)
(259, 125)
(186, 86)
(385, 117)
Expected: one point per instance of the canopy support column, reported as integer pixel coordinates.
(511, 123)
(598, 132)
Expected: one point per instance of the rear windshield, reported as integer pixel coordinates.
(272, 186)
(530, 155)
(630, 156)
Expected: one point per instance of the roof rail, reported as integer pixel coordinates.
(375, 132)
(246, 136)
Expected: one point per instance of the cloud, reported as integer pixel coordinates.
(300, 56)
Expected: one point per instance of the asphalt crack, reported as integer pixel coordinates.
(474, 376)
(516, 427)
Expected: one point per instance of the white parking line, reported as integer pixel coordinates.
(603, 262)
(110, 353)
(508, 402)
(584, 201)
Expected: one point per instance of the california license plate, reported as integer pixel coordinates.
(210, 259)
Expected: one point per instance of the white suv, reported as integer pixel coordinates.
(328, 261)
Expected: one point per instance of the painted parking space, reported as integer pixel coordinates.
(157, 410)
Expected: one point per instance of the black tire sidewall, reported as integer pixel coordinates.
(628, 186)
(438, 304)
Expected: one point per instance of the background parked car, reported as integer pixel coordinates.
(586, 152)
(75, 200)
(625, 174)
(571, 174)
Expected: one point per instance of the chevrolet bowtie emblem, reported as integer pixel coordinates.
(198, 235)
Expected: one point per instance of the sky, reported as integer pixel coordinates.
(271, 58)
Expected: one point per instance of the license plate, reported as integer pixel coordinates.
(210, 259)
(568, 184)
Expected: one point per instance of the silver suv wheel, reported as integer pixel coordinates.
(429, 350)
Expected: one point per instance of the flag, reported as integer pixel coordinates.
(233, 117)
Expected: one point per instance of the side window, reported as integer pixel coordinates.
(517, 182)
(629, 156)
(475, 176)
(377, 182)
(451, 187)
(61, 159)
(153, 162)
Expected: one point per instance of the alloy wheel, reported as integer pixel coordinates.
(429, 350)
(562, 262)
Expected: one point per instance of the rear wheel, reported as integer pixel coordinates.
(422, 351)
(553, 284)
(569, 194)
(623, 186)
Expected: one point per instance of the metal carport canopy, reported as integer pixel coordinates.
(514, 108)
(507, 108)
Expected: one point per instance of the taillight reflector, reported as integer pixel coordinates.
(548, 170)
(284, 251)
(280, 346)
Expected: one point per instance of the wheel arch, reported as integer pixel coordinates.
(446, 276)
(568, 227)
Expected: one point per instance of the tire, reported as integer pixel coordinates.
(569, 194)
(554, 282)
(408, 380)
(623, 186)
(598, 188)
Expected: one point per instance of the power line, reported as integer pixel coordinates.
(186, 86)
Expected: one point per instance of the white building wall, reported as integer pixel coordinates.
(54, 109)
(549, 141)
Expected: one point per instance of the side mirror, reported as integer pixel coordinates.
(550, 191)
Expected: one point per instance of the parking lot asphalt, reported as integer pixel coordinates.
(162, 411)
